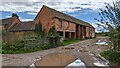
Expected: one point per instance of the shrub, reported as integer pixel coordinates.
(110, 21)
(111, 55)
(13, 48)
(54, 38)
(42, 41)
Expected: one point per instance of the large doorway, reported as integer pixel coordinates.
(73, 35)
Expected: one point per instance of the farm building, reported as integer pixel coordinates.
(67, 26)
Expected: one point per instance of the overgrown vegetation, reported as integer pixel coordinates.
(111, 55)
(110, 21)
(102, 34)
(41, 41)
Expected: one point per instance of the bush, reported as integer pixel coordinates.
(43, 41)
(111, 55)
(13, 48)
(18, 47)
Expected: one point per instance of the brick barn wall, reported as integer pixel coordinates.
(72, 26)
(93, 32)
(45, 17)
(9, 25)
(48, 20)
(56, 23)
(16, 20)
(87, 31)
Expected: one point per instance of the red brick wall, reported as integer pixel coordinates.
(56, 23)
(87, 32)
(16, 20)
(72, 26)
(11, 24)
(78, 31)
(64, 25)
(83, 31)
(48, 20)
(45, 17)
(93, 32)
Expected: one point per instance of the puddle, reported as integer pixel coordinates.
(100, 64)
(55, 59)
(68, 48)
(99, 42)
(76, 64)
(59, 59)
(32, 66)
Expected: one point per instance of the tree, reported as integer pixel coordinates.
(110, 21)
(39, 31)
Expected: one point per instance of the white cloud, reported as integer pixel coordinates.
(30, 13)
(60, 5)
(23, 19)
(19, 7)
(8, 16)
(98, 28)
(95, 26)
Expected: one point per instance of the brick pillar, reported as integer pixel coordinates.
(70, 35)
(90, 32)
(78, 31)
(75, 35)
(83, 32)
(64, 34)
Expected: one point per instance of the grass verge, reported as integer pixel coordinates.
(70, 41)
(112, 56)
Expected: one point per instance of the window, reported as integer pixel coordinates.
(68, 24)
(60, 23)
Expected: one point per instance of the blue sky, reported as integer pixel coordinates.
(85, 10)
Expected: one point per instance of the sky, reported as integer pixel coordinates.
(27, 10)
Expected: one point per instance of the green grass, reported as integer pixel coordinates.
(66, 42)
(19, 46)
(102, 34)
(112, 56)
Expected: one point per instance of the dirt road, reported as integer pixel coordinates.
(85, 50)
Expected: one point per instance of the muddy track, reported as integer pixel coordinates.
(84, 50)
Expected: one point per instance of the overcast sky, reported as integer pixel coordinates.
(85, 10)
